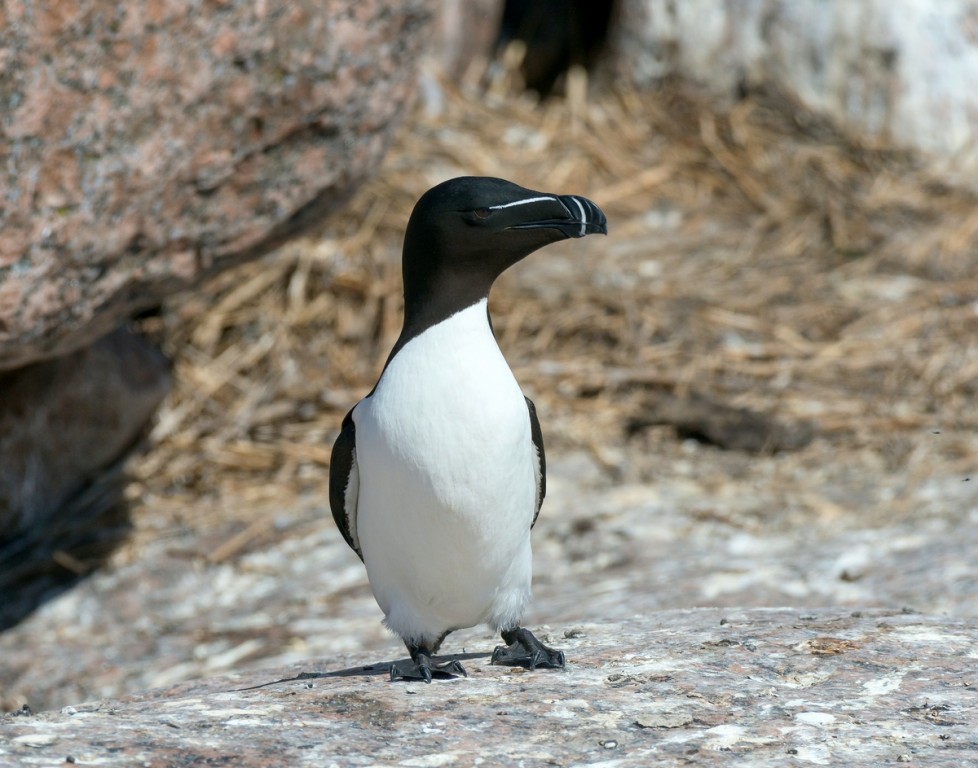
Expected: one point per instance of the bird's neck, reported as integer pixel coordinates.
(431, 298)
(431, 301)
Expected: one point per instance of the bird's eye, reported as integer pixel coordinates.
(482, 213)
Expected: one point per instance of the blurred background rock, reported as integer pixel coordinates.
(757, 391)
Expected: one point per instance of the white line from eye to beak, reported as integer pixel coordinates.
(583, 216)
(519, 202)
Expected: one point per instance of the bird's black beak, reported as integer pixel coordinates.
(571, 215)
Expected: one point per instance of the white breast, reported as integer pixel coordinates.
(447, 482)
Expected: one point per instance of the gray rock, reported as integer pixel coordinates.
(889, 72)
(715, 687)
(146, 146)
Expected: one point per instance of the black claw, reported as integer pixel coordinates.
(452, 668)
(524, 650)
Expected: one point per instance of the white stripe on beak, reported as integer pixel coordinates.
(519, 202)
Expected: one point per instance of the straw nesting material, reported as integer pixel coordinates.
(754, 256)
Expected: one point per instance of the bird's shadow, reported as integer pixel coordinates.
(368, 670)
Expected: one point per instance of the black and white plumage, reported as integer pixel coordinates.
(438, 474)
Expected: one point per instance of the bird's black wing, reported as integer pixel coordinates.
(541, 466)
(344, 483)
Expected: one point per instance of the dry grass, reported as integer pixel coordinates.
(753, 256)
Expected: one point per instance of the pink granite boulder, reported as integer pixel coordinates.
(144, 146)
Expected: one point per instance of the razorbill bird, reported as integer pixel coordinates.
(438, 474)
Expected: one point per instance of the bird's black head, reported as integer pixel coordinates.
(465, 232)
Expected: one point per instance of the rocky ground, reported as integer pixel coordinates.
(762, 687)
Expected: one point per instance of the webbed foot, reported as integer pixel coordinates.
(420, 667)
(524, 650)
